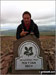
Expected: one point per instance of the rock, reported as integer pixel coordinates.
(50, 65)
(4, 70)
(4, 64)
(1, 52)
(8, 58)
(51, 52)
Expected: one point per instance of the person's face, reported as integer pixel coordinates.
(26, 19)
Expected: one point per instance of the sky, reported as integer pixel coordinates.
(43, 13)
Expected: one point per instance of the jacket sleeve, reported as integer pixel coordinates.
(18, 32)
(36, 31)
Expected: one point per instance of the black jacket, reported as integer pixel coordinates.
(33, 28)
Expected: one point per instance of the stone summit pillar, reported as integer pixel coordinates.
(29, 57)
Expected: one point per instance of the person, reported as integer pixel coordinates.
(27, 26)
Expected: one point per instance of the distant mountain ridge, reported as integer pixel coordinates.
(44, 30)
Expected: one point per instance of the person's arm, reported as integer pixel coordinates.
(36, 31)
(18, 32)
(23, 33)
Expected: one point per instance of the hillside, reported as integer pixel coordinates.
(47, 44)
(44, 30)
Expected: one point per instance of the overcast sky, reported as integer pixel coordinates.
(43, 12)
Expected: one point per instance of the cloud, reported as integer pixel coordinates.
(10, 20)
(43, 16)
(43, 12)
(46, 21)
